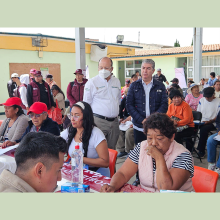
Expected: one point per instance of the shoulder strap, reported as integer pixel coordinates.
(72, 83)
(6, 125)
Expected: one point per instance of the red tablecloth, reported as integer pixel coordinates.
(10, 153)
(96, 180)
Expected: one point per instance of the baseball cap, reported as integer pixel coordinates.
(127, 81)
(14, 75)
(49, 76)
(38, 108)
(208, 92)
(78, 71)
(37, 73)
(12, 101)
(174, 80)
(33, 71)
(158, 69)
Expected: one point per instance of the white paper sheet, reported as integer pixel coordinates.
(217, 138)
(2, 151)
(124, 127)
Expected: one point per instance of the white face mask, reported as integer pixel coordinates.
(104, 73)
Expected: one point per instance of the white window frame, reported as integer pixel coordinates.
(131, 68)
(202, 66)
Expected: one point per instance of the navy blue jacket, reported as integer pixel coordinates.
(136, 101)
(48, 125)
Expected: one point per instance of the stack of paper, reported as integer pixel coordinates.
(124, 127)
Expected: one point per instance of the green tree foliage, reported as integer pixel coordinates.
(177, 44)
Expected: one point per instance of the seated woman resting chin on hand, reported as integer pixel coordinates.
(90, 138)
(162, 162)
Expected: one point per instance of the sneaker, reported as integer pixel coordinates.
(217, 170)
(201, 154)
(211, 166)
(122, 154)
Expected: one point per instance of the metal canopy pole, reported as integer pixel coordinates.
(197, 54)
(80, 48)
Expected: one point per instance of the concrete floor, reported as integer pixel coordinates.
(197, 162)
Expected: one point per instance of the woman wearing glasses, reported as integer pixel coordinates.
(39, 122)
(91, 140)
(16, 122)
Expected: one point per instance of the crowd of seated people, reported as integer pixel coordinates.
(163, 131)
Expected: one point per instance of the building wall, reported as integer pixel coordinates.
(66, 60)
(167, 65)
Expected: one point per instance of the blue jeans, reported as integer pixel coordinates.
(211, 150)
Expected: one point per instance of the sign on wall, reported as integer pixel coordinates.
(179, 74)
(44, 72)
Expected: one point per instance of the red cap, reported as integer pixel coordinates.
(77, 147)
(78, 71)
(33, 71)
(38, 108)
(12, 101)
(37, 73)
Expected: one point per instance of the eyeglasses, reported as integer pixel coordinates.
(38, 76)
(75, 117)
(32, 115)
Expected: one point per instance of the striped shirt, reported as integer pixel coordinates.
(183, 161)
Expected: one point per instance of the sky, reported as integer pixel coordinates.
(164, 36)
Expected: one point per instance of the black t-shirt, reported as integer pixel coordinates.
(160, 78)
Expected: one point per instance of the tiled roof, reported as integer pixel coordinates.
(175, 50)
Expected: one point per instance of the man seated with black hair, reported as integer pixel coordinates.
(39, 122)
(212, 79)
(39, 159)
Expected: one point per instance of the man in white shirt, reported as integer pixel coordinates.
(209, 107)
(103, 93)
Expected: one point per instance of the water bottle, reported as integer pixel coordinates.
(77, 166)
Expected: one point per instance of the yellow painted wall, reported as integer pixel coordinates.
(55, 45)
(171, 55)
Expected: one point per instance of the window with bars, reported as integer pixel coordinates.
(209, 64)
(131, 66)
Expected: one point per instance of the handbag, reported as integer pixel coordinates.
(2, 137)
(56, 114)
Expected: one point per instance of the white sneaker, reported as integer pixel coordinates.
(211, 166)
(217, 170)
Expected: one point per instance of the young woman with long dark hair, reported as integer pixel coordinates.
(91, 139)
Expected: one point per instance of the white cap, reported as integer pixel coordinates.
(14, 75)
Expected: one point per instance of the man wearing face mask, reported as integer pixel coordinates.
(103, 93)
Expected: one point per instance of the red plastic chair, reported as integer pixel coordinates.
(204, 180)
(112, 160)
(1, 122)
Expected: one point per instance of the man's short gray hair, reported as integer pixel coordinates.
(150, 61)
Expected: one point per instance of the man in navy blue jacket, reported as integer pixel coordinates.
(145, 96)
(39, 122)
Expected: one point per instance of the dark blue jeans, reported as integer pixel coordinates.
(139, 136)
(204, 132)
(211, 150)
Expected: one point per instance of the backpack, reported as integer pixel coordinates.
(16, 92)
(72, 83)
